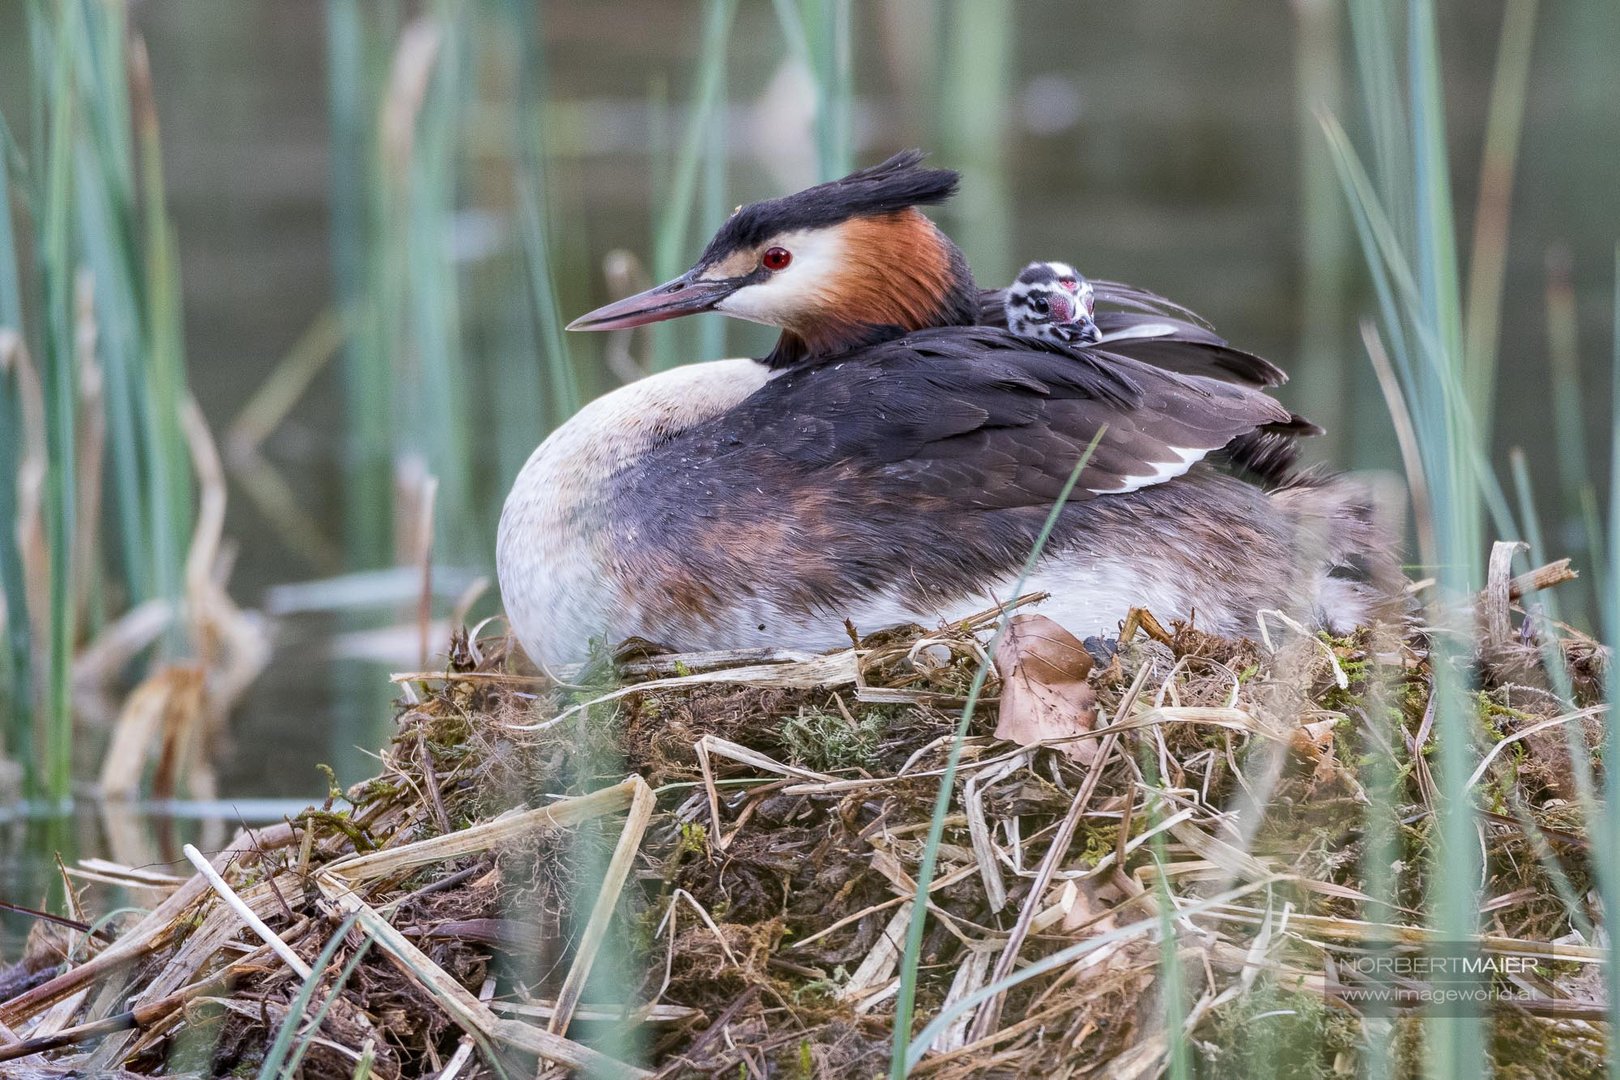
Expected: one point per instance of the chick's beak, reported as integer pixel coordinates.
(685, 295)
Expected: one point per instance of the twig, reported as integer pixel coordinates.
(464, 1049)
(689, 1057)
(618, 871)
(1494, 606)
(430, 780)
(560, 814)
(1542, 577)
(1485, 763)
(245, 913)
(136, 942)
(424, 551)
(142, 1016)
(472, 1015)
(97, 932)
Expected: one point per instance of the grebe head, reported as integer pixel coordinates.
(837, 265)
(1053, 302)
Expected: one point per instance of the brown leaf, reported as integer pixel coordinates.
(1044, 693)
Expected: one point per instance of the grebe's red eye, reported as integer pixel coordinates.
(776, 258)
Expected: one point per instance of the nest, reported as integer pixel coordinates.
(708, 865)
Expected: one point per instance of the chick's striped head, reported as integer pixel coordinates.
(1053, 302)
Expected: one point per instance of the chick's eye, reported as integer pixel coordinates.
(1039, 304)
(776, 258)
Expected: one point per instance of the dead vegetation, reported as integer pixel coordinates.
(707, 864)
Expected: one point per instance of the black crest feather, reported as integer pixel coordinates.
(891, 185)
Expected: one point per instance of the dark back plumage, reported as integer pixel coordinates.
(845, 466)
(884, 188)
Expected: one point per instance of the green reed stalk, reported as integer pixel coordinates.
(1487, 270)
(17, 674)
(1420, 304)
(61, 401)
(818, 36)
(282, 1045)
(671, 251)
(1456, 1047)
(973, 131)
(905, 1050)
(352, 63)
(1576, 501)
(96, 206)
(110, 245)
(435, 419)
(1324, 376)
(168, 461)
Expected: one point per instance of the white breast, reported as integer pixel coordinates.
(553, 552)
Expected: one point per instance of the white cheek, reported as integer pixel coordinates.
(756, 303)
(800, 288)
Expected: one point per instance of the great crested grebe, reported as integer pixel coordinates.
(892, 461)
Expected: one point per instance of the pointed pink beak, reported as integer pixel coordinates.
(685, 295)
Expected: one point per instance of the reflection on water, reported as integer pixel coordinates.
(144, 835)
(1153, 142)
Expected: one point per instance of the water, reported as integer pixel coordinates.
(1154, 142)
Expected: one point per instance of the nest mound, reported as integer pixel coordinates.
(708, 865)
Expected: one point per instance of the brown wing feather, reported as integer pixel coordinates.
(980, 417)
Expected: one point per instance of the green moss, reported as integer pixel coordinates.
(821, 990)
(1101, 841)
(333, 790)
(694, 840)
(1276, 1033)
(827, 741)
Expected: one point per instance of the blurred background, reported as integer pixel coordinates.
(369, 221)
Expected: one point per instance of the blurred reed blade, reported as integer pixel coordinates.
(563, 386)
(16, 673)
(1408, 240)
(1545, 615)
(975, 103)
(1324, 374)
(1456, 1046)
(1575, 486)
(61, 397)
(672, 233)
(109, 244)
(169, 496)
(1373, 32)
(905, 1050)
(434, 419)
(1547, 603)
(1487, 269)
(367, 382)
(817, 33)
(106, 250)
(1431, 378)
